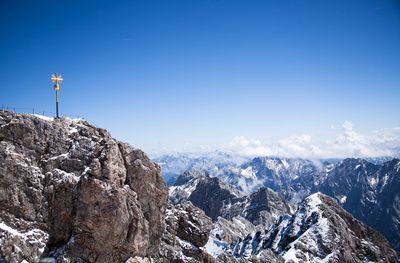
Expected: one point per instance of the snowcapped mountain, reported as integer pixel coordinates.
(369, 190)
(294, 178)
(370, 193)
(219, 199)
(319, 231)
(214, 163)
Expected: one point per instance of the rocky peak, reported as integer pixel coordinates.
(73, 192)
(187, 176)
(260, 208)
(208, 193)
(370, 192)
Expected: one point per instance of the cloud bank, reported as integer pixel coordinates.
(347, 143)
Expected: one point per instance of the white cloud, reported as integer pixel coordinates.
(347, 143)
(248, 147)
(301, 145)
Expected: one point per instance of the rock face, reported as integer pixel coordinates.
(69, 190)
(319, 231)
(260, 208)
(208, 193)
(187, 230)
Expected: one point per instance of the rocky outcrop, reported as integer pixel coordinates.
(187, 231)
(71, 191)
(210, 195)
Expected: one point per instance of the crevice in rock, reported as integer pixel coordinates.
(126, 165)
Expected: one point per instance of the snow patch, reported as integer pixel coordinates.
(26, 236)
(73, 130)
(10, 230)
(215, 247)
(313, 200)
(46, 118)
(342, 199)
(86, 170)
(248, 173)
(290, 255)
(65, 177)
(372, 182)
(63, 156)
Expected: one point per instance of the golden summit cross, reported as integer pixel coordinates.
(56, 79)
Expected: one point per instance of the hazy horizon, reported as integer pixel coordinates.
(346, 143)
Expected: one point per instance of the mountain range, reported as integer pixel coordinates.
(368, 189)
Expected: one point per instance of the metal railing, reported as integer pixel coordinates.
(27, 110)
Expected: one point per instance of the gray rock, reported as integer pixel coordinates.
(88, 197)
(187, 230)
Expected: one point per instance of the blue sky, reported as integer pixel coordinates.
(180, 74)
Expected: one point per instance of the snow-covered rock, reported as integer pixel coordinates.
(370, 192)
(319, 231)
(187, 230)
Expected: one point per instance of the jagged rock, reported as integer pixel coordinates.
(265, 256)
(260, 208)
(187, 176)
(144, 178)
(88, 197)
(320, 231)
(231, 230)
(208, 193)
(292, 178)
(187, 231)
(219, 199)
(193, 225)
